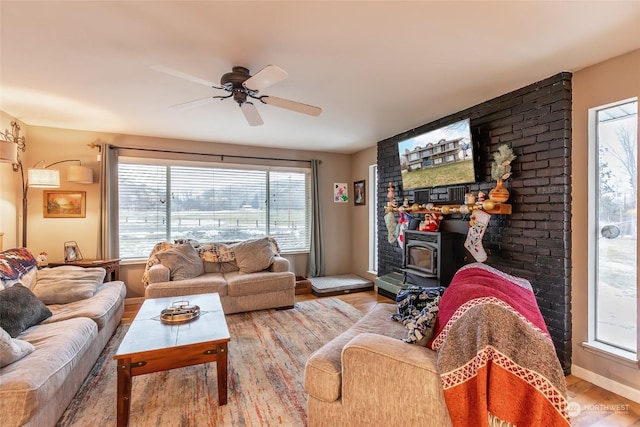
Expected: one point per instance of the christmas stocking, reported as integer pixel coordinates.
(477, 227)
(390, 221)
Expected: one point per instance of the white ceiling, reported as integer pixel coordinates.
(376, 68)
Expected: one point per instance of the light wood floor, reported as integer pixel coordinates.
(598, 407)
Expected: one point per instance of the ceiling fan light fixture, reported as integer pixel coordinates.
(241, 85)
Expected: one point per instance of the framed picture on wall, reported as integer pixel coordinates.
(64, 204)
(340, 192)
(359, 194)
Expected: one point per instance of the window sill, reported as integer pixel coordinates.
(617, 355)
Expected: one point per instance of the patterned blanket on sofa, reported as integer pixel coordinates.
(495, 355)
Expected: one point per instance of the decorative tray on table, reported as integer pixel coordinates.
(179, 312)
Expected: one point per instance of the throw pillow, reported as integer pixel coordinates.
(421, 326)
(413, 299)
(20, 309)
(14, 263)
(153, 260)
(254, 255)
(29, 279)
(216, 252)
(62, 285)
(12, 349)
(183, 261)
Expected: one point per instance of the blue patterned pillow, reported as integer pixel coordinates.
(413, 299)
(418, 307)
(421, 326)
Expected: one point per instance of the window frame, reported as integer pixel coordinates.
(607, 350)
(180, 163)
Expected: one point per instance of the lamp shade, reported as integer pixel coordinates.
(8, 152)
(80, 174)
(44, 178)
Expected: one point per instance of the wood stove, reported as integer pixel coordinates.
(430, 257)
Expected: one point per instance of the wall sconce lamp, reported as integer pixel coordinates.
(11, 143)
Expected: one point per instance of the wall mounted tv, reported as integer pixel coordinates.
(438, 157)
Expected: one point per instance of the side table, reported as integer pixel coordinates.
(112, 266)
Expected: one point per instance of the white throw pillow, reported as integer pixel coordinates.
(12, 349)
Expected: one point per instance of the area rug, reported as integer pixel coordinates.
(267, 355)
(338, 285)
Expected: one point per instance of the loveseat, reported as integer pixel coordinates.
(248, 275)
(487, 342)
(54, 322)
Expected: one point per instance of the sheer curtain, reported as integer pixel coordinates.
(316, 254)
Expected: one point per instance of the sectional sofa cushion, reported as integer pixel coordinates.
(183, 261)
(101, 308)
(20, 309)
(42, 377)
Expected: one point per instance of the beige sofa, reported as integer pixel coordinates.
(493, 352)
(248, 275)
(36, 389)
(368, 376)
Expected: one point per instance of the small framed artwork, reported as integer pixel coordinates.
(72, 252)
(64, 204)
(340, 193)
(359, 198)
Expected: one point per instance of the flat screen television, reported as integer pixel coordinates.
(438, 157)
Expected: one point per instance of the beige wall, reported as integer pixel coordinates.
(609, 81)
(49, 234)
(359, 237)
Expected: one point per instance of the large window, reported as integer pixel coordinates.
(163, 202)
(373, 218)
(613, 215)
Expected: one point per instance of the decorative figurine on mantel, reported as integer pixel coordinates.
(500, 171)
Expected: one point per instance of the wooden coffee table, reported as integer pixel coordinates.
(151, 345)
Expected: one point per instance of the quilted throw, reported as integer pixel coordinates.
(495, 355)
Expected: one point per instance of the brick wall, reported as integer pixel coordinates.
(535, 240)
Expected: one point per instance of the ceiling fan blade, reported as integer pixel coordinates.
(291, 105)
(251, 114)
(182, 75)
(269, 75)
(194, 103)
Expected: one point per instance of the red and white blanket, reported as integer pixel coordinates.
(495, 355)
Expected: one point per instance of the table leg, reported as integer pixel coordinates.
(221, 365)
(124, 391)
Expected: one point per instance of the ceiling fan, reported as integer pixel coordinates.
(243, 87)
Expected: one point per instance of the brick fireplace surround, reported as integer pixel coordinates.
(533, 242)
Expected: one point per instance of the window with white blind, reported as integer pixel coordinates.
(613, 218)
(164, 202)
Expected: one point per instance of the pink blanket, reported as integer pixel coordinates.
(495, 355)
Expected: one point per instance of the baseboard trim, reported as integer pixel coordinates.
(606, 383)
